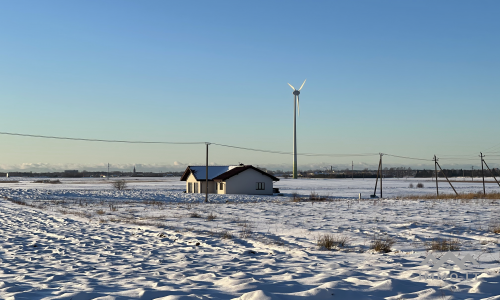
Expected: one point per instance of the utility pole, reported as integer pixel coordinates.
(482, 172)
(352, 169)
(108, 172)
(436, 171)
(381, 174)
(491, 172)
(376, 181)
(472, 173)
(446, 177)
(206, 176)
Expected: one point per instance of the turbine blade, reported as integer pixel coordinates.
(302, 85)
(291, 87)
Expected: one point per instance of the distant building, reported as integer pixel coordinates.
(242, 179)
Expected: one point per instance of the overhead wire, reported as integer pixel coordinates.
(98, 140)
(227, 146)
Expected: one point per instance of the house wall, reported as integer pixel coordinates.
(223, 191)
(246, 183)
(201, 187)
(211, 187)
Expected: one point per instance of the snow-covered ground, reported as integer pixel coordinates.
(81, 239)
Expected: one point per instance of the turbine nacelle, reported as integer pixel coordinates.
(296, 93)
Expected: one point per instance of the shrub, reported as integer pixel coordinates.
(495, 228)
(382, 244)
(329, 241)
(314, 196)
(246, 230)
(226, 235)
(195, 215)
(443, 245)
(295, 197)
(211, 217)
(420, 185)
(411, 185)
(120, 185)
(100, 212)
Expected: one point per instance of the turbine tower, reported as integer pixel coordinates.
(296, 108)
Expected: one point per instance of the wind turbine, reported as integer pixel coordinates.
(296, 106)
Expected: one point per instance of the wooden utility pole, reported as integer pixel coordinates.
(436, 172)
(352, 169)
(108, 171)
(491, 172)
(376, 181)
(206, 175)
(381, 174)
(446, 177)
(472, 173)
(482, 172)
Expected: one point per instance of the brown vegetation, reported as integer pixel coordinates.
(329, 241)
(382, 244)
(443, 245)
(463, 196)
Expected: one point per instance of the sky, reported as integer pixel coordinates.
(408, 78)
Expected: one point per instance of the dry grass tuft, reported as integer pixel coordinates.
(420, 185)
(316, 197)
(226, 235)
(495, 228)
(443, 245)
(382, 244)
(100, 212)
(295, 197)
(211, 217)
(246, 230)
(194, 215)
(330, 241)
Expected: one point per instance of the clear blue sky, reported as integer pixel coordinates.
(411, 78)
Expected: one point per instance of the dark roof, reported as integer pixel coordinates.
(238, 170)
(200, 171)
(219, 173)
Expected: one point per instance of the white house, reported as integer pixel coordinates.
(243, 179)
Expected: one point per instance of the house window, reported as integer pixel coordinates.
(261, 186)
(190, 187)
(221, 186)
(196, 187)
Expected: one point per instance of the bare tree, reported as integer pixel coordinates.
(120, 184)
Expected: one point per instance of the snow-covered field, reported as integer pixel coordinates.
(83, 240)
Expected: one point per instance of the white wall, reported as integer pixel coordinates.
(246, 183)
(217, 186)
(201, 187)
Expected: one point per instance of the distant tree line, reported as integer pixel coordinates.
(458, 173)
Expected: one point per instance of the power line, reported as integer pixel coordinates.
(98, 140)
(177, 143)
(217, 144)
(406, 157)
